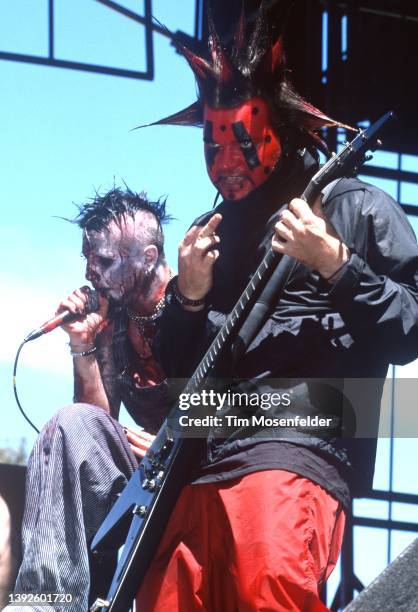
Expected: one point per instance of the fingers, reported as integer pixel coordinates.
(139, 441)
(300, 209)
(292, 222)
(308, 236)
(85, 293)
(143, 382)
(210, 226)
(213, 255)
(205, 243)
(291, 225)
(283, 231)
(278, 245)
(81, 298)
(190, 236)
(197, 254)
(198, 233)
(288, 226)
(140, 434)
(205, 240)
(75, 303)
(303, 211)
(308, 216)
(138, 452)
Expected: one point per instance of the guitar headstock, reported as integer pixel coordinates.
(353, 155)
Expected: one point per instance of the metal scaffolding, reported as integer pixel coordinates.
(51, 59)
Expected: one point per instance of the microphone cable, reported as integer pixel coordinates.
(92, 305)
(15, 388)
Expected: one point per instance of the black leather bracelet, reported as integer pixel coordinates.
(338, 273)
(182, 299)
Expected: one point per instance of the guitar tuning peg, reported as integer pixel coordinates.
(376, 145)
(368, 158)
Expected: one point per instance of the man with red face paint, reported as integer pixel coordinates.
(241, 147)
(260, 525)
(83, 457)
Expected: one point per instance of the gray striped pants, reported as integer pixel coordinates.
(79, 464)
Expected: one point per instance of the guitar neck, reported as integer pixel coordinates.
(234, 320)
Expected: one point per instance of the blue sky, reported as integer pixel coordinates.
(65, 134)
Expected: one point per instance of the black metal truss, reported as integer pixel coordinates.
(51, 60)
(349, 582)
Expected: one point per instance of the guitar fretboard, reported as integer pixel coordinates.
(231, 323)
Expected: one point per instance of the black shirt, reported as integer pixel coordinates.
(350, 330)
(254, 456)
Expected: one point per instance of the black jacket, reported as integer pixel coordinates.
(338, 334)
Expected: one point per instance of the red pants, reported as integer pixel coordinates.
(264, 542)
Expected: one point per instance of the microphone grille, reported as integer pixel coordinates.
(93, 303)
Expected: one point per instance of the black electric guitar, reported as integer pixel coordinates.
(140, 515)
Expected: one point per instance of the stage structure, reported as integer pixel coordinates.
(355, 60)
(51, 58)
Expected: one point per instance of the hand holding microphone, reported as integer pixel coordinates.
(81, 315)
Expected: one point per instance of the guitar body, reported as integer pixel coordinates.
(139, 517)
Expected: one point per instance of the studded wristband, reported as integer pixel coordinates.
(182, 299)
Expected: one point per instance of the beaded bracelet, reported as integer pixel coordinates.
(89, 351)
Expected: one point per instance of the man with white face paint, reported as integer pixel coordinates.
(125, 263)
(83, 456)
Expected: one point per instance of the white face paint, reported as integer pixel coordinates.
(116, 261)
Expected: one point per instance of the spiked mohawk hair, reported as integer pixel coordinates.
(116, 204)
(255, 66)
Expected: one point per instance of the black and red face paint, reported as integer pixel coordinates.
(241, 147)
(211, 149)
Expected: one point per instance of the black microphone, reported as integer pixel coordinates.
(66, 316)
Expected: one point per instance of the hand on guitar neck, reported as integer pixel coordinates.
(305, 234)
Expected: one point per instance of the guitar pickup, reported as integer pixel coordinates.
(165, 450)
(157, 456)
